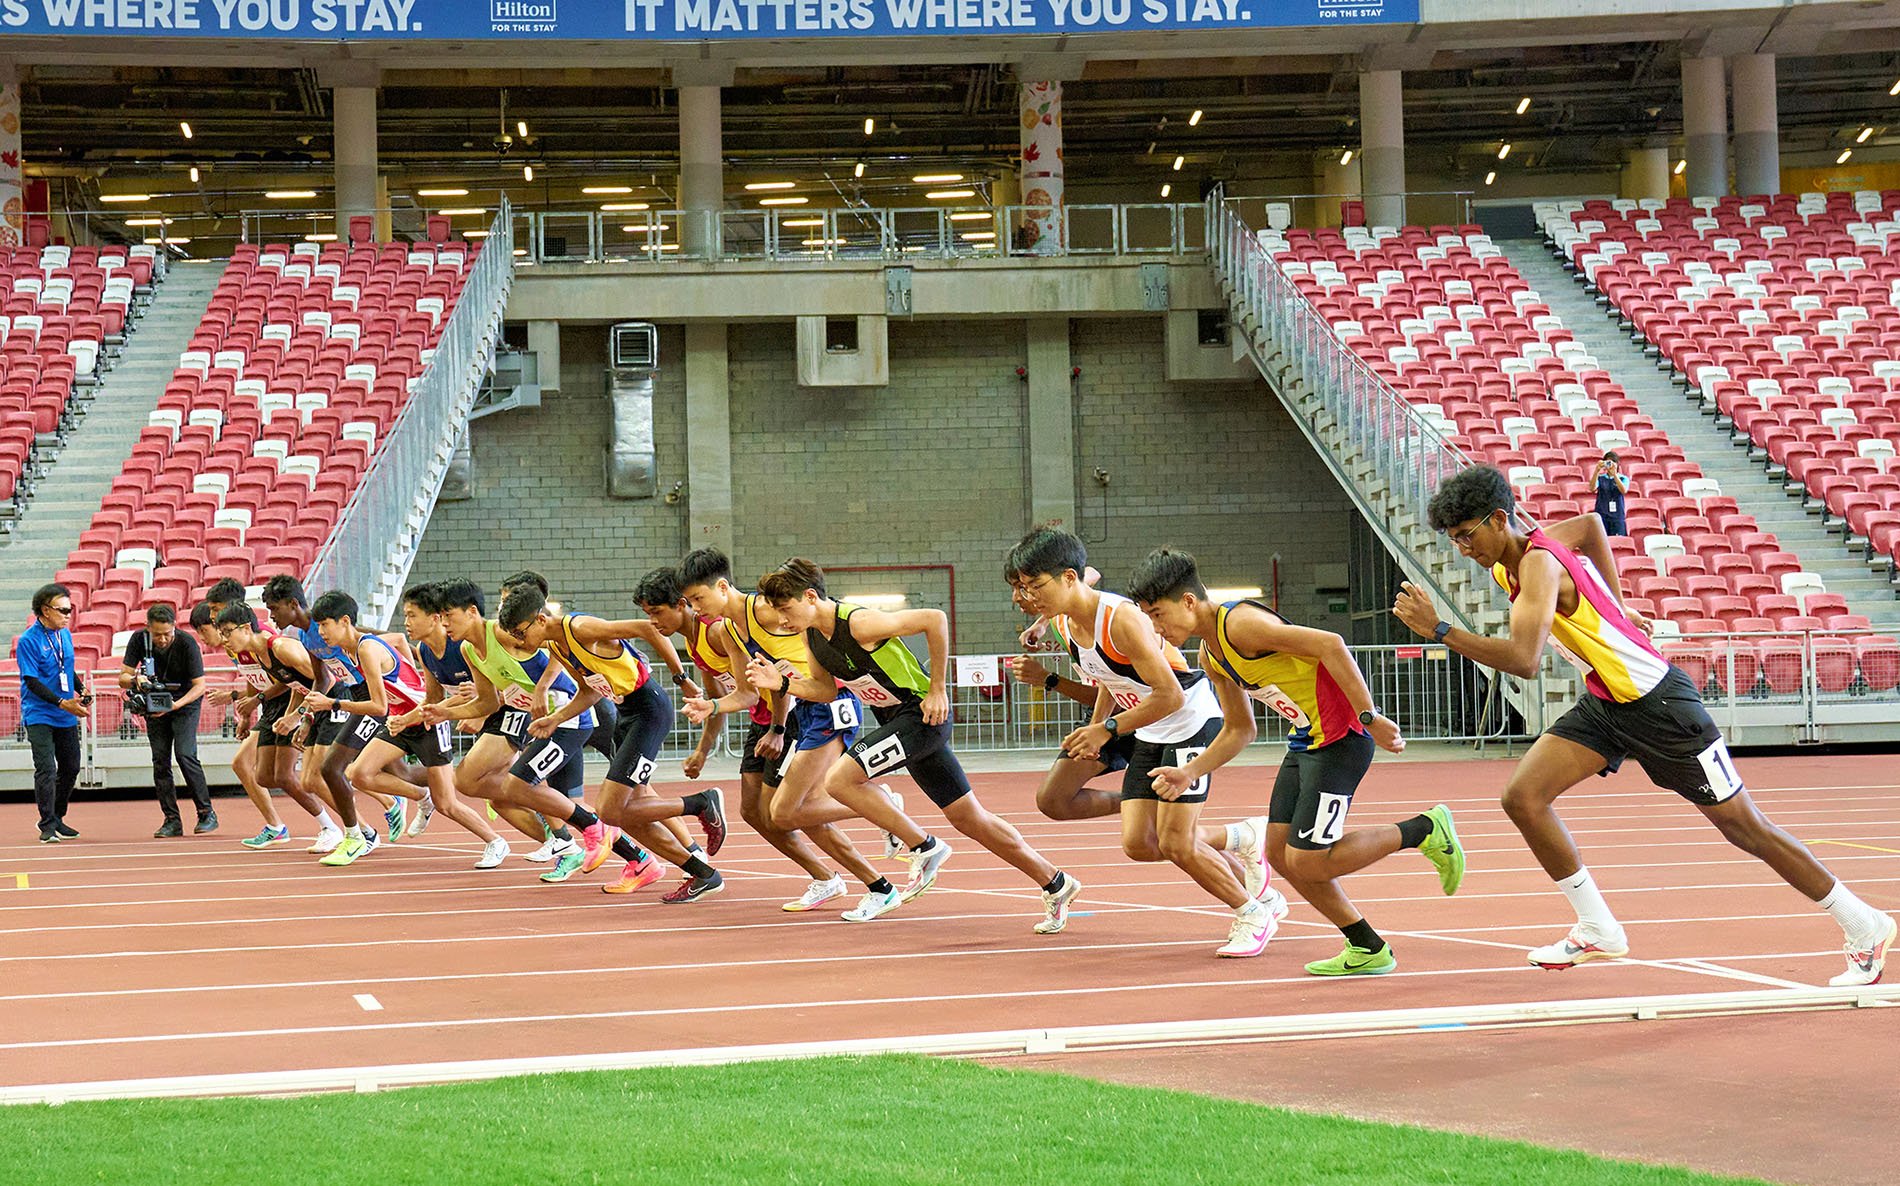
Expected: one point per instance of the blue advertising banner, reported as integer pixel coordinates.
(666, 20)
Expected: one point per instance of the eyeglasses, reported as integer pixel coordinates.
(1461, 538)
(62, 610)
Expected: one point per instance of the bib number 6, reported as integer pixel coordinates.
(844, 714)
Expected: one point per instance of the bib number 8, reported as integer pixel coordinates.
(844, 714)
(1199, 786)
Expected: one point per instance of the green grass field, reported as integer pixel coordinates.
(830, 1122)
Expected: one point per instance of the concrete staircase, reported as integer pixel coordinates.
(1679, 414)
(93, 453)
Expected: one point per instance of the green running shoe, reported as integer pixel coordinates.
(1356, 961)
(1443, 850)
(397, 817)
(566, 864)
(352, 847)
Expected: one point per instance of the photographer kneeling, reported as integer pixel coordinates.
(164, 682)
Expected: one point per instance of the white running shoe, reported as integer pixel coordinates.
(1055, 907)
(1252, 851)
(544, 854)
(372, 840)
(923, 869)
(1580, 946)
(493, 853)
(1254, 926)
(872, 906)
(893, 847)
(1866, 960)
(816, 894)
(424, 814)
(326, 842)
(1276, 902)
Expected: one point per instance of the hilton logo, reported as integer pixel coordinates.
(520, 13)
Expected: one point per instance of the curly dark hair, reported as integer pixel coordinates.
(1470, 494)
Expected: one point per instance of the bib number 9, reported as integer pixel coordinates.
(844, 714)
(545, 760)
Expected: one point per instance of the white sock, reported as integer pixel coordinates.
(1236, 836)
(1250, 907)
(1855, 917)
(325, 823)
(1587, 900)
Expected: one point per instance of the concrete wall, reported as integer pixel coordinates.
(929, 470)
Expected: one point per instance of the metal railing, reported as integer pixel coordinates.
(1448, 207)
(384, 519)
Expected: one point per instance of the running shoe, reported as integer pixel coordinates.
(816, 894)
(1442, 849)
(894, 849)
(375, 841)
(545, 853)
(268, 838)
(597, 843)
(923, 868)
(66, 831)
(567, 862)
(1276, 903)
(1580, 946)
(326, 841)
(423, 815)
(1250, 836)
(1253, 929)
(493, 853)
(397, 817)
(694, 887)
(636, 876)
(713, 820)
(1356, 961)
(1055, 907)
(873, 905)
(347, 851)
(1865, 961)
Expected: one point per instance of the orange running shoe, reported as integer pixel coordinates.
(636, 876)
(598, 841)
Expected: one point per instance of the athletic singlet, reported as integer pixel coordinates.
(562, 690)
(1617, 660)
(346, 680)
(449, 668)
(1298, 687)
(779, 648)
(616, 678)
(271, 671)
(512, 684)
(1111, 669)
(712, 662)
(885, 677)
(402, 687)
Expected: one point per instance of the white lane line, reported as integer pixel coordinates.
(369, 1003)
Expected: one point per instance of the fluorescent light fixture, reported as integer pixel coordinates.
(1195, 119)
(821, 242)
(657, 228)
(527, 172)
(1864, 134)
(606, 189)
(802, 222)
(453, 211)
(442, 193)
(148, 222)
(797, 200)
(184, 129)
(857, 170)
(979, 236)
(521, 128)
(1505, 150)
(937, 178)
(289, 195)
(1491, 177)
(1167, 189)
(870, 125)
(1523, 104)
(194, 172)
(1842, 159)
(1234, 593)
(125, 197)
(521, 251)
(756, 186)
(880, 601)
(1680, 166)
(474, 234)
(155, 240)
(1345, 158)
(1895, 88)
(666, 247)
(970, 216)
(320, 237)
(949, 195)
(1178, 162)
(623, 207)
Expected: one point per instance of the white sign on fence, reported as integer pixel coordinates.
(979, 671)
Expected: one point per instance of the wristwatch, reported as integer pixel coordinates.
(776, 729)
(1113, 726)
(1440, 631)
(1365, 718)
(1051, 681)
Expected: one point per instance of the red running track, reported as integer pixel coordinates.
(126, 957)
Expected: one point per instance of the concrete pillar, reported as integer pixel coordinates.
(702, 168)
(544, 342)
(1757, 125)
(1382, 146)
(353, 112)
(1336, 183)
(708, 437)
(1646, 174)
(1050, 450)
(12, 186)
(1705, 126)
(1041, 230)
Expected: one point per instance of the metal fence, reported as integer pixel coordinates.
(1450, 207)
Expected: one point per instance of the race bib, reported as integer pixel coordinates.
(255, 676)
(844, 714)
(1126, 700)
(339, 674)
(601, 684)
(516, 696)
(1285, 705)
(875, 694)
(723, 681)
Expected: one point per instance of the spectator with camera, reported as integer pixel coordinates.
(164, 682)
(1613, 488)
(51, 702)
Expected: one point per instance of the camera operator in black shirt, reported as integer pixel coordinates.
(164, 682)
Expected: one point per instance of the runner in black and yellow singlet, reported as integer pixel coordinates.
(1308, 678)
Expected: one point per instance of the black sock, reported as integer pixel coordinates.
(695, 849)
(695, 803)
(582, 818)
(627, 850)
(929, 842)
(881, 886)
(698, 869)
(1055, 883)
(1361, 935)
(1412, 832)
(561, 833)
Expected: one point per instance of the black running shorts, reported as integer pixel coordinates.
(1668, 732)
(1148, 756)
(1314, 789)
(268, 714)
(430, 746)
(646, 717)
(902, 741)
(751, 763)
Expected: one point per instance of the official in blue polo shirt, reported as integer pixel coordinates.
(51, 703)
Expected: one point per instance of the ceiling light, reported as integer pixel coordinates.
(474, 234)
(521, 251)
(623, 207)
(527, 172)
(155, 240)
(1178, 162)
(870, 125)
(754, 186)
(937, 178)
(1895, 88)
(148, 222)
(886, 602)
(194, 172)
(1491, 177)
(979, 236)
(653, 228)
(798, 200)
(1505, 150)
(1345, 158)
(125, 197)
(1842, 159)
(1195, 119)
(946, 195)
(1218, 596)
(521, 128)
(1680, 166)
(1864, 134)
(666, 247)
(821, 242)
(1523, 104)
(970, 216)
(803, 222)
(606, 189)
(455, 210)
(857, 170)
(289, 195)
(441, 193)
(185, 129)
(320, 237)
(1167, 189)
